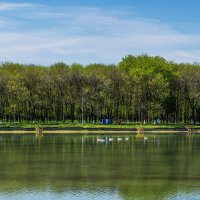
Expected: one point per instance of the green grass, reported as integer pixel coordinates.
(54, 124)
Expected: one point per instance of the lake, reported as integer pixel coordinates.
(61, 166)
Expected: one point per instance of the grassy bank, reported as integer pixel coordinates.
(62, 125)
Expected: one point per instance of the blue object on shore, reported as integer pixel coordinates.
(109, 121)
(106, 121)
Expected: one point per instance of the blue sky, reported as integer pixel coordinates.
(89, 31)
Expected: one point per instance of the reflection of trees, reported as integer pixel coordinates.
(136, 168)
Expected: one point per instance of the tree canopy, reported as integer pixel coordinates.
(139, 88)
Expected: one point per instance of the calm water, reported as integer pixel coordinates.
(80, 167)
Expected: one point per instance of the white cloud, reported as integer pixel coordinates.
(4, 23)
(14, 6)
(45, 35)
(187, 56)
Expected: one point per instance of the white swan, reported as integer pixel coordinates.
(110, 139)
(100, 140)
(119, 139)
(145, 138)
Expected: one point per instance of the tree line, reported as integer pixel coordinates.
(139, 88)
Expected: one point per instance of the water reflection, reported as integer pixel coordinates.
(83, 167)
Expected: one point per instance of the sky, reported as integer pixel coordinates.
(89, 31)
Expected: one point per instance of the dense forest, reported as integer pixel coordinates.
(136, 89)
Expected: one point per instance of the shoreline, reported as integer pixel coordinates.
(76, 130)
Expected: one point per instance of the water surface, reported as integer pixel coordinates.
(81, 167)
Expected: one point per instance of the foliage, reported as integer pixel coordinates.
(140, 88)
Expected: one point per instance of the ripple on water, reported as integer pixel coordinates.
(101, 194)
